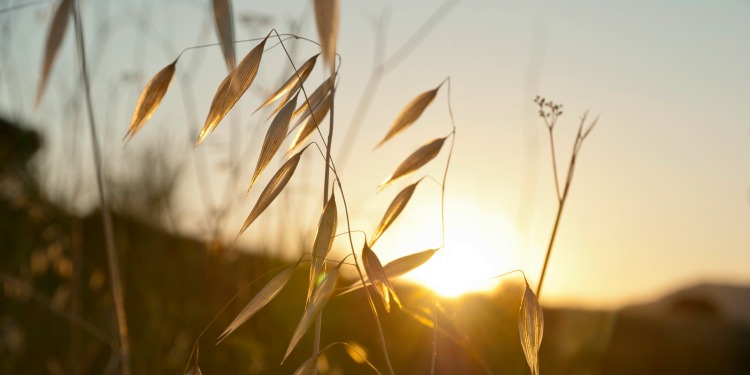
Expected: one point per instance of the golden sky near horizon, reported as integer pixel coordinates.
(661, 195)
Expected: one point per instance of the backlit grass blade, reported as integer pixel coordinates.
(310, 123)
(327, 20)
(274, 137)
(272, 190)
(415, 161)
(225, 28)
(231, 89)
(314, 306)
(531, 328)
(323, 241)
(291, 85)
(393, 211)
(409, 114)
(264, 296)
(378, 278)
(54, 39)
(150, 99)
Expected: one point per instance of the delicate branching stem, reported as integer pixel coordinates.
(550, 112)
(112, 261)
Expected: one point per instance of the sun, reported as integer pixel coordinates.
(477, 248)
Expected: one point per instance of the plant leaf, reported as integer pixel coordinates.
(225, 28)
(315, 305)
(327, 19)
(264, 296)
(397, 205)
(231, 89)
(310, 123)
(415, 161)
(291, 85)
(54, 39)
(531, 328)
(323, 241)
(315, 99)
(272, 190)
(378, 278)
(274, 137)
(410, 113)
(150, 99)
(397, 267)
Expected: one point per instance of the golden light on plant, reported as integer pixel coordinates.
(476, 250)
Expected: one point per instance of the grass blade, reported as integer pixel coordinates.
(231, 89)
(311, 122)
(274, 137)
(150, 99)
(378, 278)
(415, 161)
(323, 241)
(225, 28)
(291, 85)
(315, 305)
(327, 19)
(397, 205)
(531, 328)
(264, 296)
(272, 190)
(54, 39)
(410, 113)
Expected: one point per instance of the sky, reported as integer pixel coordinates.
(661, 193)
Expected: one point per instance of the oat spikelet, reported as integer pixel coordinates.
(231, 89)
(54, 39)
(327, 19)
(323, 241)
(415, 161)
(274, 137)
(395, 208)
(150, 99)
(291, 85)
(409, 114)
(310, 123)
(225, 28)
(264, 296)
(531, 328)
(397, 267)
(378, 278)
(272, 190)
(314, 306)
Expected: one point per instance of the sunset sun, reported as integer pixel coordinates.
(475, 251)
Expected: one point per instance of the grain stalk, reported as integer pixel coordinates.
(112, 262)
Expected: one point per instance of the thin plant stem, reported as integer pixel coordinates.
(433, 357)
(113, 263)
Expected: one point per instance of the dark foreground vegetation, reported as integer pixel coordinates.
(56, 308)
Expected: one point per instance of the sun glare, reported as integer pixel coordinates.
(476, 249)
